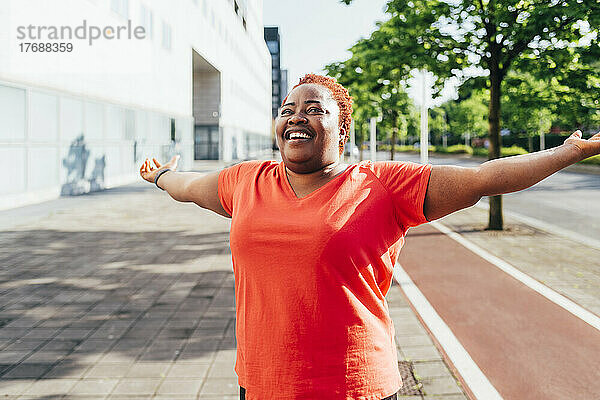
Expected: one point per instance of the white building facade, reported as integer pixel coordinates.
(143, 78)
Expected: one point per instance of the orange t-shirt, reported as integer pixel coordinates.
(311, 276)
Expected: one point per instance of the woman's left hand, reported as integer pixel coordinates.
(149, 171)
(588, 147)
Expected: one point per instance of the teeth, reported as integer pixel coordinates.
(299, 135)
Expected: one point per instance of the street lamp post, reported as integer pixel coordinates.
(424, 122)
(352, 140)
(373, 138)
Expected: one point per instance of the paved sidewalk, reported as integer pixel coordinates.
(127, 294)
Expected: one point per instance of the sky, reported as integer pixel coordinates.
(315, 33)
(318, 32)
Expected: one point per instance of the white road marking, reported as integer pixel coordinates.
(467, 368)
(550, 228)
(555, 297)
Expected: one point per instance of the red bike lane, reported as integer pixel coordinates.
(527, 346)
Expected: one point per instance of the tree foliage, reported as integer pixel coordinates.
(378, 92)
(453, 37)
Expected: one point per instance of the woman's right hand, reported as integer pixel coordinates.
(149, 171)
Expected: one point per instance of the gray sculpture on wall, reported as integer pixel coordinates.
(75, 163)
(97, 178)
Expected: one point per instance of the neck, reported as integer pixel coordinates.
(325, 173)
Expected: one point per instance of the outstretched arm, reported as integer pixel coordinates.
(201, 189)
(454, 188)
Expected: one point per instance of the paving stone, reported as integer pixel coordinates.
(127, 397)
(12, 387)
(148, 370)
(12, 357)
(59, 344)
(93, 387)
(417, 340)
(415, 353)
(83, 358)
(188, 370)
(109, 370)
(27, 371)
(226, 355)
(46, 356)
(222, 370)
(13, 333)
(116, 357)
(95, 345)
(67, 370)
(179, 387)
(220, 386)
(431, 369)
(137, 386)
(440, 386)
(25, 345)
(22, 323)
(41, 333)
(74, 333)
(52, 387)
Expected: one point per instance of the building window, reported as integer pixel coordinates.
(173, 129)
(273, 47)
(147, 21)
(166, 36)
(12, 114)
(120, 7)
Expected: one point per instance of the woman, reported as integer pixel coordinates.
(314, 242)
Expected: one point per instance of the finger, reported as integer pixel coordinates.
(157, 163)
(596, 136)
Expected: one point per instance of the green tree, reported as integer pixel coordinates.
(529, 105)
(468, 115)
(447, 37)
(438, 126)
(377, 91)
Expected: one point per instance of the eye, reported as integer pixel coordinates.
(315, 109)
(283, 112)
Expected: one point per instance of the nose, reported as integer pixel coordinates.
(297, 119)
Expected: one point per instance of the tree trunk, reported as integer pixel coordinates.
(495, 218)
(394, 138)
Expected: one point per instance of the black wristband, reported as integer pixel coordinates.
(158, 176)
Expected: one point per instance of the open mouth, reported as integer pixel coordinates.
(297, 136)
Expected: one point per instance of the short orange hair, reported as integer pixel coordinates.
(340, 95)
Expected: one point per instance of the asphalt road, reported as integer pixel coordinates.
(566, 200)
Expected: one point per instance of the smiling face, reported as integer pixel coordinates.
(307, 129)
